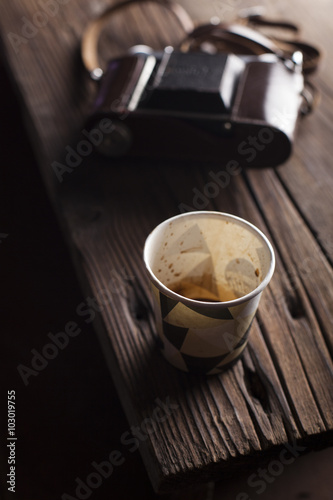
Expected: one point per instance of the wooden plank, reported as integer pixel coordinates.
(280, 391)
(301, 299)
(275, 394)
(307, 177)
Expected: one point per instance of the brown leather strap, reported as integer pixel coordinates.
(311, 54)
(236, 37)
(259, 20)
(91, 36)
(245, 40)
(239, 37)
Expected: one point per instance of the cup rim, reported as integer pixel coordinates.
(186, 300)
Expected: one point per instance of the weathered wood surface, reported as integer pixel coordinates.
(281, 390)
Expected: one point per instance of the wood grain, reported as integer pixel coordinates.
(281, 390)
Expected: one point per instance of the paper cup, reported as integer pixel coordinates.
(207, 272)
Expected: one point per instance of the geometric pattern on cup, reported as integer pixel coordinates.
(232, 357)
(204, 365)
(187, 317)
(173, 355)
(205, 341)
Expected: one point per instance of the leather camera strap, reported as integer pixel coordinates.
(89, 44)
(311, 54)
(243, 39)
(239, 37)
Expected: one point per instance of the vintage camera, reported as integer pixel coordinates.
(200, 106)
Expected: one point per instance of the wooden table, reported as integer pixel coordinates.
(188, 428)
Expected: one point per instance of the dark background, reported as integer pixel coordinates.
(69, 414)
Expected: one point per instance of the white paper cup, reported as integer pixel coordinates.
(207, 271)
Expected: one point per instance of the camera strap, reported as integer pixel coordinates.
(89, 44)
(241, 37)
(311, 54)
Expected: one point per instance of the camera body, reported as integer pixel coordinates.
(200, 106)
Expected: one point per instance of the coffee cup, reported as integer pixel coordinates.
(207, 272)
